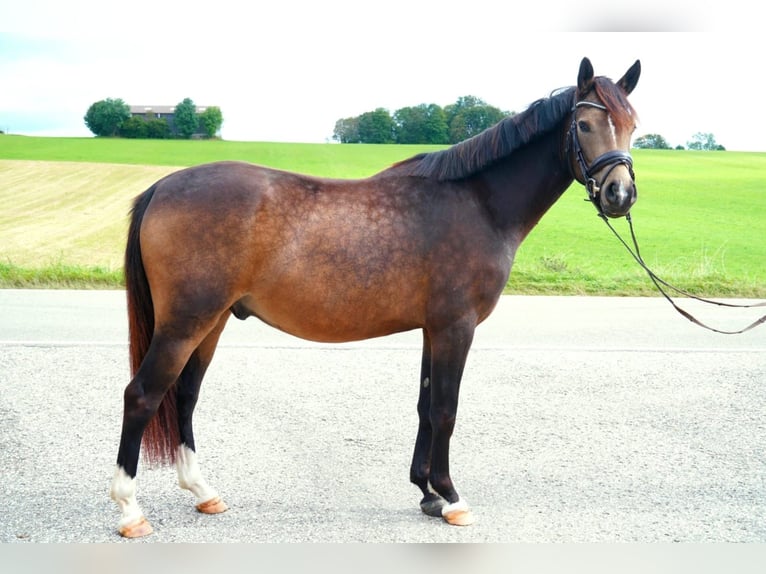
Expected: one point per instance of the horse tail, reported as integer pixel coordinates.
(162, 435)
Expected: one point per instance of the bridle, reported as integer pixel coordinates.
(610, 159)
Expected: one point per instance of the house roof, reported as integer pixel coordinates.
(160, 109)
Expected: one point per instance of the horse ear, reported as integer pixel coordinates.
(630, 79)
(585, 77)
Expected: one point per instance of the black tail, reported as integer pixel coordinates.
(161, 436)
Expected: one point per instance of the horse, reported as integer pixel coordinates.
(427, 243)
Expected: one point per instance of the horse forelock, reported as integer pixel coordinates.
(482, 150)
(616, 101)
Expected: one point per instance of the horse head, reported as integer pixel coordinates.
(598, 140)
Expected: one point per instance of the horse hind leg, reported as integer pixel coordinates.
(165, 360)
(189, 475)
(143, 396)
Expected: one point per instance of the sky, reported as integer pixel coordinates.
(287, 70)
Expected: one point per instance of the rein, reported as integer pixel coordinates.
(612, 159)
(660, 283)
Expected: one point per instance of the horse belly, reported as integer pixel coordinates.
(339, 308)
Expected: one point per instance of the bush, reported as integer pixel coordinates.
(134, 128)
(157, 129)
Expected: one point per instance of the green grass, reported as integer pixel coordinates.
(700, 217)
(59, 276)
(326, 160)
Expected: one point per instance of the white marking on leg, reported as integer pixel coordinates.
(459, 505)
(190, 477)
(123, 492)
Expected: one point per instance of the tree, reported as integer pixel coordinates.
(408, 124)
(105, 117)
(186, 119)
(423, 124)
(211, 121)
(704, 142)
(346, 130)
(470, 116)
(651, 141)
(435, 129)
(376, 127)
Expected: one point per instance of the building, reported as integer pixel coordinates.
(166, 113)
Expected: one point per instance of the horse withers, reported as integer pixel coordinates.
(426, 244)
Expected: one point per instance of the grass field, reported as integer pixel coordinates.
(700, 218)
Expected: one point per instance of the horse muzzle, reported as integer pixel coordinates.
(614, 193)
(617, 196)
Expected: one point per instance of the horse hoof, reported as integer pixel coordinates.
(137, 529)
(458, 514)
(212, 506)
(432, 505)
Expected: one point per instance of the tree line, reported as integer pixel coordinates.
(700, 141)
(468, 116)
(112, 117)
(422, 124)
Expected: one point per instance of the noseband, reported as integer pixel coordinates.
(610, 159)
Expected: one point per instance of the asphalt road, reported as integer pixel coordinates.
(581, 420)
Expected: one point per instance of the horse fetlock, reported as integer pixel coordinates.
(432, 505)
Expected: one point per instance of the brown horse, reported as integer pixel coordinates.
(425, 244)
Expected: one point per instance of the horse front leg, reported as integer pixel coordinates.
(449, 350)
(420, 471)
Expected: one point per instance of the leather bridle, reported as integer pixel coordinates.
(610, 159)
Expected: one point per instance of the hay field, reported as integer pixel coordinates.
(68, 212)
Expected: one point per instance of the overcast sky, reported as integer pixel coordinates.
(286, 70)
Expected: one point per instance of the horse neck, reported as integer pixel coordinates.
(520, 189)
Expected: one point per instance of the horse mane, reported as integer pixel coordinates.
(470, 156)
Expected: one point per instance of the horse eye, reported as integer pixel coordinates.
(584, 127)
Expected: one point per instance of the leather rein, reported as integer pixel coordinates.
(611, 160)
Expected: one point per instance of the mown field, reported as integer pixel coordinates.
(700, 217)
